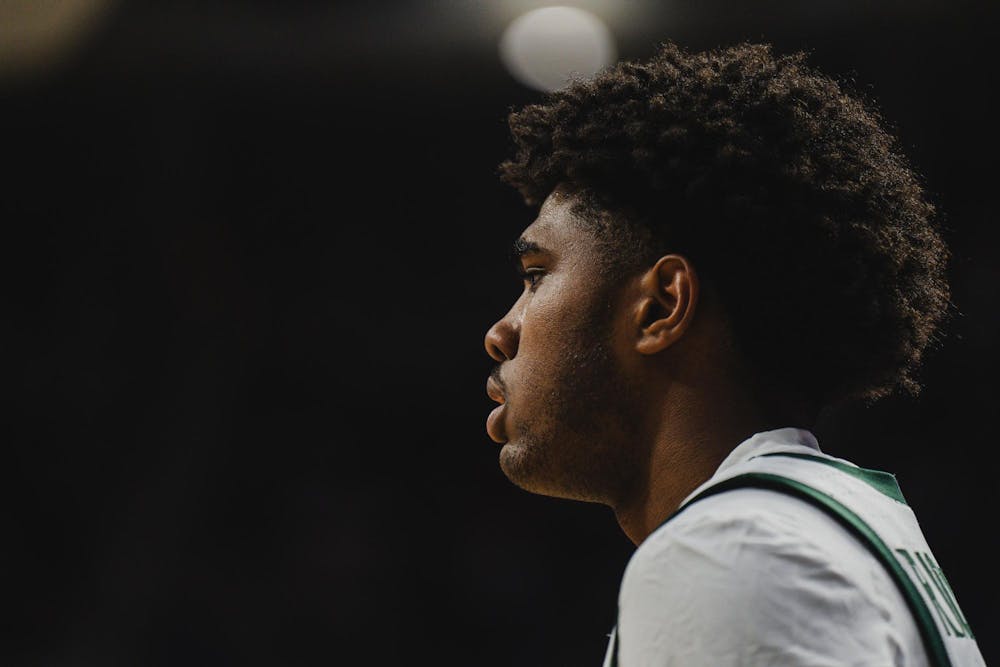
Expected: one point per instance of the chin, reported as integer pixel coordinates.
(523, 466)
(512, 462)
(523, 469)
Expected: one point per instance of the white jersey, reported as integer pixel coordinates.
(788, 556)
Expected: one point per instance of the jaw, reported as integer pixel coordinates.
(566, 469)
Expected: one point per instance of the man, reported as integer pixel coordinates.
(726, 244)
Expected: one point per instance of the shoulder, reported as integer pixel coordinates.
(760, 578)
(748, 539)
(736, 525)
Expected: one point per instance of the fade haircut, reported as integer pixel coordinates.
(784, 191)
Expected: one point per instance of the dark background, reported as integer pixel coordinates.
(251, 252)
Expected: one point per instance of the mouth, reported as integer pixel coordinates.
(493, 390)
(494, 423)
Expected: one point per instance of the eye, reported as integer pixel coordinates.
(531, 276)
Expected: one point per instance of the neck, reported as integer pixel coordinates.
(692, 434)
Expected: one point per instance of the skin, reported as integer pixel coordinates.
(615, 391)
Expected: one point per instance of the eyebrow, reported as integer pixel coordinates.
(523, 247)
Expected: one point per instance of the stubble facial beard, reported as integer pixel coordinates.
(583, 446)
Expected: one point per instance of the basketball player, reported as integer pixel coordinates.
(726, 243)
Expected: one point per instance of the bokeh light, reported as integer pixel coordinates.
(36, 35)
(546, 48)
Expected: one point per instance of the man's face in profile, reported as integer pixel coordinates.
(566, 407)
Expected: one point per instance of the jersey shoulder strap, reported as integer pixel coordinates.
(765, 477)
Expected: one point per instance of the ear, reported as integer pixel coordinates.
(667, 300)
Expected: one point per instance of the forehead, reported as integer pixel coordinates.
(557, 226)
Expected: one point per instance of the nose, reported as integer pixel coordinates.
(501, 341)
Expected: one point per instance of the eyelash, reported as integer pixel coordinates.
(531, 276)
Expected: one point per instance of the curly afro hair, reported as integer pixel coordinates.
(783, 190)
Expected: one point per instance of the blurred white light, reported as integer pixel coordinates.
(545, 47)
(36, 34)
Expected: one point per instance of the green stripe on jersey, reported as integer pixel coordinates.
(883, 482)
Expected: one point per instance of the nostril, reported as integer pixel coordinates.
(499, 342)
(494, 350)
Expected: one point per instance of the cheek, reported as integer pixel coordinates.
(540, 349)
(547, 315)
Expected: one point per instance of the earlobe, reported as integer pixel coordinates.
(668, 297)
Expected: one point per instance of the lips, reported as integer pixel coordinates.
(493, 390)
(495, 422)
